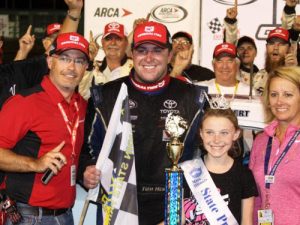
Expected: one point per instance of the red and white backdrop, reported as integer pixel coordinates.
(255, 19)
(175, 14)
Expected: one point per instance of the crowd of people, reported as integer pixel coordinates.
(55, 109)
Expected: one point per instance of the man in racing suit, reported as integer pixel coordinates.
(152, 95)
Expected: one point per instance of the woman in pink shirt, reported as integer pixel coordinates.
(275, 156)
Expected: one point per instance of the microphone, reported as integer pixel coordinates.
(48, 174)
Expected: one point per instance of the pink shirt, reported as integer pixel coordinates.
(285, 192)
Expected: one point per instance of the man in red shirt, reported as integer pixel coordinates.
(42, 130)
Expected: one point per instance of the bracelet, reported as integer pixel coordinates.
(72, 17)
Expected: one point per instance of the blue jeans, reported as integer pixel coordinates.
(63, 219)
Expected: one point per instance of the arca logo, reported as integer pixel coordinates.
(111, 12)
(169, 13)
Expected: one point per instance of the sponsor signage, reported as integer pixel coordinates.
(177, 15)
(169, 13)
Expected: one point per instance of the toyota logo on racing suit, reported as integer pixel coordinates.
(170, 104)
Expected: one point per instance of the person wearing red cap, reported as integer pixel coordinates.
(181, 62)
(246, 47)
(225, 85)
(26, 42)
(226, 68)
(114, 43)
(152, 94)
(51, 33)
(32, 142)
(278, 53)
(289, 22)
(115, 64)
(22, 74)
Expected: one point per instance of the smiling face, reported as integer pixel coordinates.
(114, 46)
(225, 69)
(66, 74)
(218, 134)
(284, 101)
(150, 62)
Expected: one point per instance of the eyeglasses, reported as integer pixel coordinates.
(140, 51)
(79, 62)
(181, 42)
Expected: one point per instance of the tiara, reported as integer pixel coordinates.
(219, 102)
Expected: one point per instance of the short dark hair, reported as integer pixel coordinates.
(246, 39)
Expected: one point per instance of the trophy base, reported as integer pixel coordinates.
(173, 196)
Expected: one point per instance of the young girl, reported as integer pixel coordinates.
(219, 130)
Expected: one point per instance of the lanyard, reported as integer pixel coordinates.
(235, 89)
(72, 131)
(268, 154)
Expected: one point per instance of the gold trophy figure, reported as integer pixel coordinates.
(175, 127)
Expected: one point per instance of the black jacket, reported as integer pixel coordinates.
(148, 113)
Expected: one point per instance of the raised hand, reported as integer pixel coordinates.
(93, 47)
(141, 21)
(26, 43)
(232, 12)
(182, 60)
(74, 4)
(291, 58)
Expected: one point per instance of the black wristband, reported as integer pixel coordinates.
(72, 17)
(229, 20)
(289, 10)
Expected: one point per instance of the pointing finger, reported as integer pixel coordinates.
(91, 36)
(235, 4)
(59, 147)
(29, 29)
(148, 16)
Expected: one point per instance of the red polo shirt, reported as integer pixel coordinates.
(32, 125)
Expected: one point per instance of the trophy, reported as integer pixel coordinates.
(175, 127)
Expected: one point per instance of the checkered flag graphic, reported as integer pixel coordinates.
(214, 25)
(118, 192)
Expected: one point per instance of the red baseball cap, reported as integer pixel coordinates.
(152, 32)
(280, 33)
(52, 28)
(68, 41)
(226, 49)
(114, 28)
